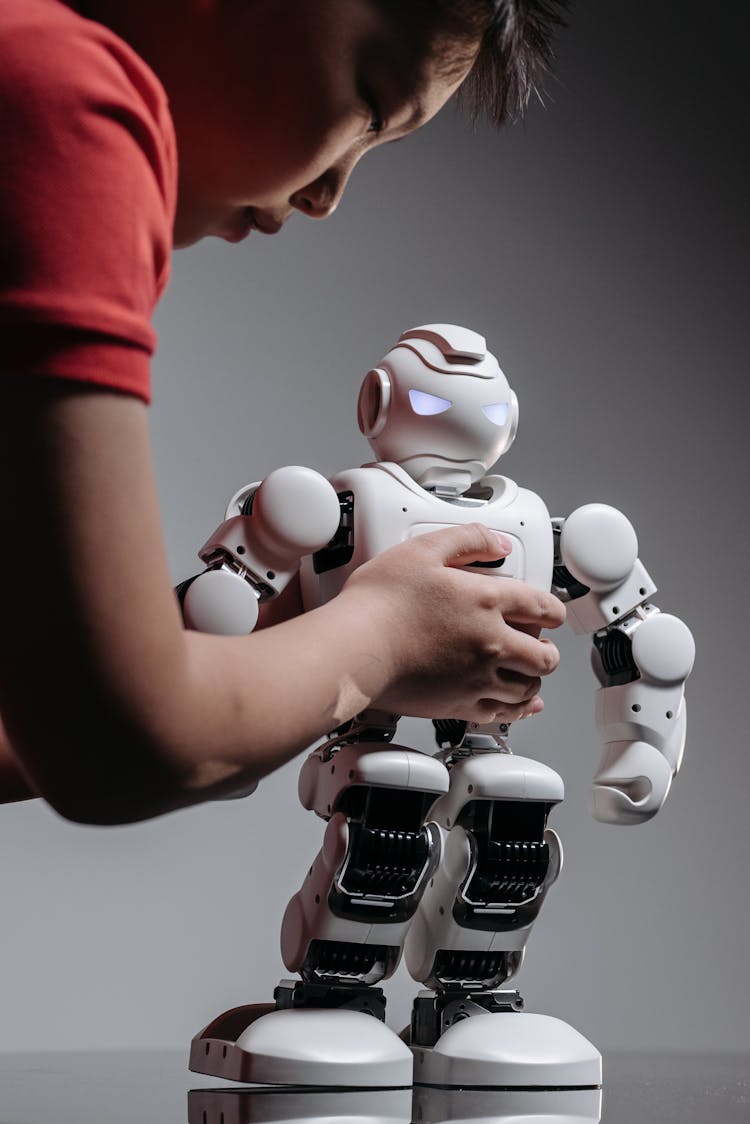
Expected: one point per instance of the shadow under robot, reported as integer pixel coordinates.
(446, 859)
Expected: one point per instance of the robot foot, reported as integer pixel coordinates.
(509, 1050)
(302, 1046)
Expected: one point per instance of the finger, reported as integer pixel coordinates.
(527, 656)
(522, 604)
(459, 546)
(535, 706)
(494, 710)
(515, 688)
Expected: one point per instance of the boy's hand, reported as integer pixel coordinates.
(463, 645)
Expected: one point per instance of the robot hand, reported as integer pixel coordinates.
(641, 657)
(253, 555)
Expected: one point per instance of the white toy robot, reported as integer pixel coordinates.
(447, 859)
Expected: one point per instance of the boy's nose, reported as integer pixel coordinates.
(320, 198)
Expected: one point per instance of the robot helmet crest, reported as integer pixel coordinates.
(454, 342)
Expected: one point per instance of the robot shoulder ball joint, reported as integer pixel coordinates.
(255, 552)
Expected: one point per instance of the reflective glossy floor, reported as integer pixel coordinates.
(156, 1088)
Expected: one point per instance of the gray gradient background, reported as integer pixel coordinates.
(599, 247)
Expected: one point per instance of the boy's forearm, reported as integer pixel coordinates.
(225, 712)
(259, 700)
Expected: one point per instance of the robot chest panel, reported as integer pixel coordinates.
(385, 507)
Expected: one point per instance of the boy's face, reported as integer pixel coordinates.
(275, 102)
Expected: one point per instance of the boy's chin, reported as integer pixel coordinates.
(191, 225)
(182, 243)
(234, 226)
(183, 236)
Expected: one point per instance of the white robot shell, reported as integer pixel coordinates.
(599, 546)
(444, 373)
(374, 403)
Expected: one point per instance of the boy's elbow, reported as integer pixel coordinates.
(109, 752)
(105, 771)
(117, 796)
(119, 776)
(108, 802)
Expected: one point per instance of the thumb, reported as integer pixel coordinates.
(459, 546)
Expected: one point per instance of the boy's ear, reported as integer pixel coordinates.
(374, 401)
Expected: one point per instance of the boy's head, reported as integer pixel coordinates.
(276, 101)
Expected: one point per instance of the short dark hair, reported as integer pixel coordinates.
(515, 54)
(514, 58)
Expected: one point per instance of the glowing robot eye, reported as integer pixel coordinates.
(497, 412)
(424, 403)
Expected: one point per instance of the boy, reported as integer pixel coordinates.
(112, 711)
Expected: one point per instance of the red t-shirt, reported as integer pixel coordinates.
(88, 175)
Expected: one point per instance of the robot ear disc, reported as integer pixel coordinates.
(511, 422)
(374, 401)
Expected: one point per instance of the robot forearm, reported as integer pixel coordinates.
(641, 658)
(253, 555)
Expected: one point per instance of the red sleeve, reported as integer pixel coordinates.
(87, 196)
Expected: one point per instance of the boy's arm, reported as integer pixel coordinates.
(117, 713)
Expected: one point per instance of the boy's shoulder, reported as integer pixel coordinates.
(87, 198)
(49, 48)
(37, 14)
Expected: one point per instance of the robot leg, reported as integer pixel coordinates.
(470, 932)
(346, 926)
(344, 930)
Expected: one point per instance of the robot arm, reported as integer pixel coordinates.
(253, 555)
(641, 658)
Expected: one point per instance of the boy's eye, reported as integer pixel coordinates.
(377, 121)
(424, 403)
(377, 124)
(497, 412)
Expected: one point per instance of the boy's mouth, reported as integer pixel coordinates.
(265, 223)
(243, 222)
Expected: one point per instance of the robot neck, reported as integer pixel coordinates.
(444, 480)
(465, 491)
(447, 484)
(445, 491)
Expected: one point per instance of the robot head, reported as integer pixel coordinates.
(439, 405)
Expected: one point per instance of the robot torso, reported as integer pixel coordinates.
(382, 506)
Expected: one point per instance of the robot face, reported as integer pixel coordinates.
(427, 410)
